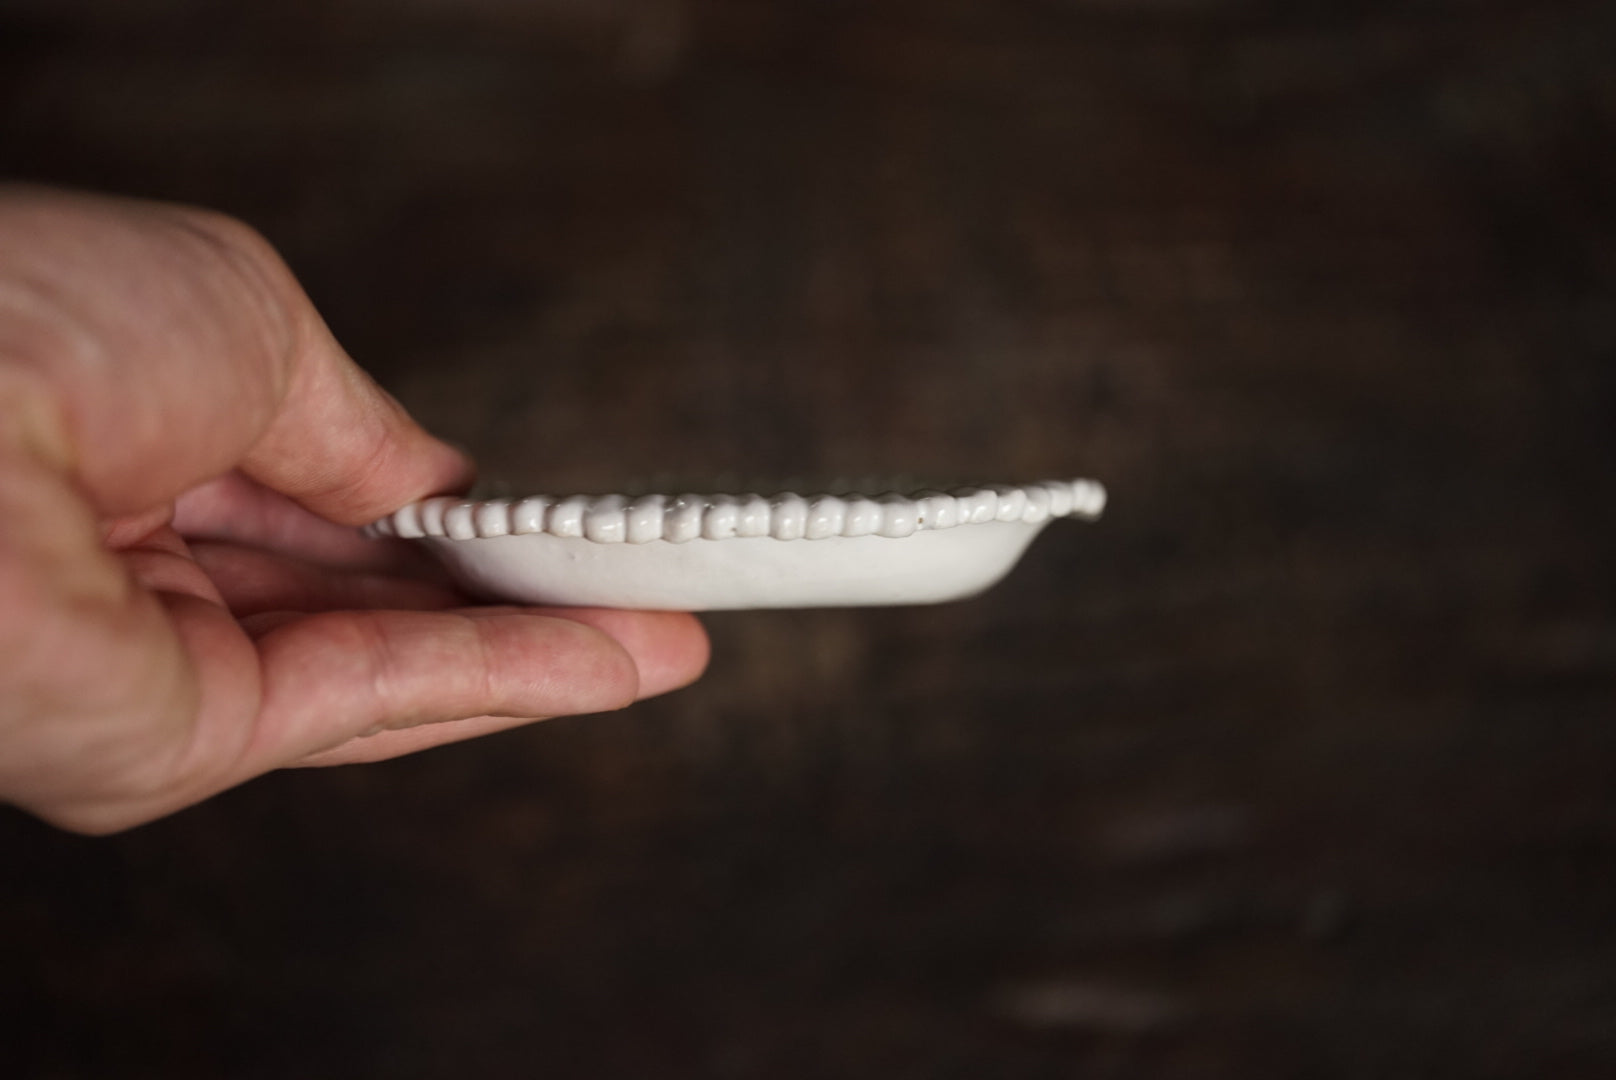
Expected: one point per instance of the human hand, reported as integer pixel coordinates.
(183, 602)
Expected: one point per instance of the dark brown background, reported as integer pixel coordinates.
(1301, 763)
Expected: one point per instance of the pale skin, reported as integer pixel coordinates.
(184, 602)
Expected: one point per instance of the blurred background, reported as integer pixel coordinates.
(1300, 763)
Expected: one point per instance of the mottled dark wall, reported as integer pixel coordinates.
(1299, 764)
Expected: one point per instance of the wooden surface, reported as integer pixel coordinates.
(1301, 764)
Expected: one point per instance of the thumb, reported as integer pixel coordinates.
(342, 446)
(166, 345)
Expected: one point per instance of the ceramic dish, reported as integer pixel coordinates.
(710, 552)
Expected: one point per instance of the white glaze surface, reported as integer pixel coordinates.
(710, 552)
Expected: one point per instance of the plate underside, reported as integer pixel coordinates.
(758, 572)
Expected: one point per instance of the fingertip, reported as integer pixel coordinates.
(435, 466)
(682, 657)
(566, 667)
(346, 449)
(670, 649)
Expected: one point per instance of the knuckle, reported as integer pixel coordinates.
(260, 278)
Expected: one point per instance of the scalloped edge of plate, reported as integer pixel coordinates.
(613, 519)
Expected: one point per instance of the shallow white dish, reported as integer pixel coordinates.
(712, 552)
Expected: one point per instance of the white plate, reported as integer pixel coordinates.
(711, 552)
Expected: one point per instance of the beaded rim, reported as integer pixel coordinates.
(615, 519)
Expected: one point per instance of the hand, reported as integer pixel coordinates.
(184, 604)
